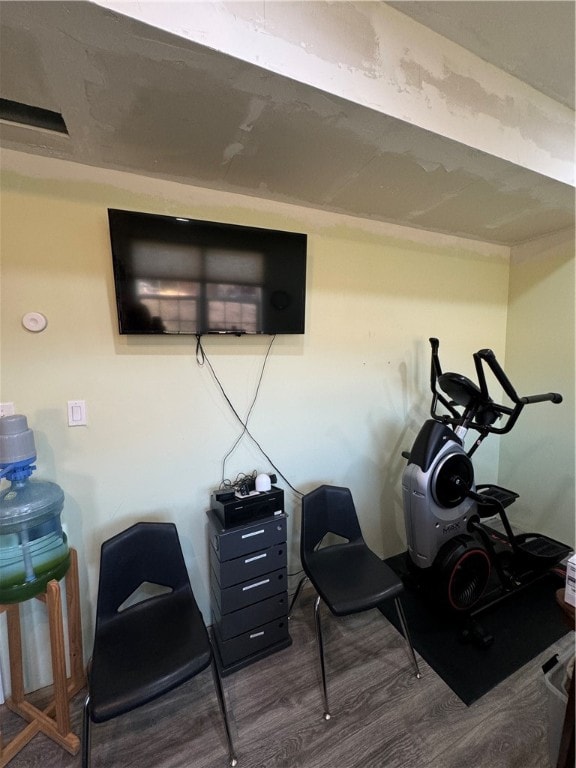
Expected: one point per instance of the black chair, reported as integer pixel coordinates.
(146, 649)
(347, 576)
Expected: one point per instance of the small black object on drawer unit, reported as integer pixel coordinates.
(248, 580)
(236, 510)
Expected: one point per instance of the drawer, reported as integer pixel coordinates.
(238, 622)
(230, 572)
(248, 592)
(252, 642)
(235, 542)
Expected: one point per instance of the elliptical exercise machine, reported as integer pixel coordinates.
(453, 553)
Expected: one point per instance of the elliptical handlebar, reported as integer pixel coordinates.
(490, 358)
(553, 397)
(481, 398)
(435, 374)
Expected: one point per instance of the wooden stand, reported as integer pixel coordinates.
(54, 720)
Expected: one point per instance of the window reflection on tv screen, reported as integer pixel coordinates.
(183, 276)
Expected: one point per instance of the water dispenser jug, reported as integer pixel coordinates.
(33, 546)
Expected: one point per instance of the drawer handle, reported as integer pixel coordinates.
(256, 584)
(256, 634)
(256, 557)
(254, 533)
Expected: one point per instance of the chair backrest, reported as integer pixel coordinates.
(143, 553)
(328, 509)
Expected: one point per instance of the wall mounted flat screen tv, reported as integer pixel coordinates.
(184, 276)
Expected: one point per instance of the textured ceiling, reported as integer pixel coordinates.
(534, 41)
(141, 100)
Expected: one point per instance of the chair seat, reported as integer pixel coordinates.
(351, 578)
(146, 651)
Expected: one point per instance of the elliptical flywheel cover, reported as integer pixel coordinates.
(453, 478)
(464, 568)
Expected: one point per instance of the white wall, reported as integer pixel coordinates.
(337, 404)
(538, 457)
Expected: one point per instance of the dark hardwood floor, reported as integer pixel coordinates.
(382, 716)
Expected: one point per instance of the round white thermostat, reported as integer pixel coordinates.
(34, 321)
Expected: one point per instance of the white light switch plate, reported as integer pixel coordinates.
(76, 413)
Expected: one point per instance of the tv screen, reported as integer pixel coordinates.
(183, 276)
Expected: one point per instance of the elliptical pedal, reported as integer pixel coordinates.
(540, 548)
(502, 496)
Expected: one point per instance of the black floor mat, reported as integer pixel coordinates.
(522, 626)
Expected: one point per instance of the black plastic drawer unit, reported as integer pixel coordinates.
(248, 581)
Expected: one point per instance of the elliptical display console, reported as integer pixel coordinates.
(465, 563)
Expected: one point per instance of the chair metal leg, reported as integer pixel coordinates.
(218, 684)
(404, 626)
(297, 595)
(86, 733)
(321, 652)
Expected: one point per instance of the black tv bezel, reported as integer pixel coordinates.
(126, 225)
